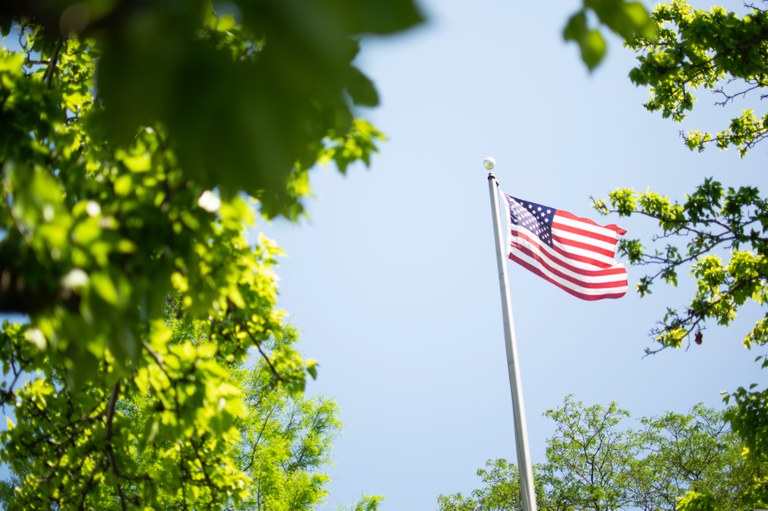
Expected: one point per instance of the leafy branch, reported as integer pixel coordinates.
(711, 220)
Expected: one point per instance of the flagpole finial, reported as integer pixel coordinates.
(489, 163)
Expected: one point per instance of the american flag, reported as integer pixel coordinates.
(575, 254)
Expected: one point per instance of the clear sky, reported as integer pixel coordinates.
(393, 283)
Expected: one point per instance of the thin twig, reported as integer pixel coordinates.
(266, 358)
(207, 477)
(156, 356)
(255, 444)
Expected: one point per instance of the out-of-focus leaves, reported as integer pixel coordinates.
(112, 136)
(629, 20)
(244, 105)
(361, 89)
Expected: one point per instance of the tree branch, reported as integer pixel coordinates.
(51, 69)
(109, 451)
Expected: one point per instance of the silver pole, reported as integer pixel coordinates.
(521, 434)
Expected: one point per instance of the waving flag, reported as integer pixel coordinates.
(575, 254)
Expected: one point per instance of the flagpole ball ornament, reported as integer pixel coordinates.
(489, 163)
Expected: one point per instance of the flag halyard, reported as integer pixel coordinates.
(575, 254)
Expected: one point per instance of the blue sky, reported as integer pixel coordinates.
(392, 280)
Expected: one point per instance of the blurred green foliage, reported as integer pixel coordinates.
(249, 99)
(628, 20)
(116, 130)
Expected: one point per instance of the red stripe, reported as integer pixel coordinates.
(562, 255)
(585, 246)
(584, 232)
(568, 290)
(579, 282)
(618, 230)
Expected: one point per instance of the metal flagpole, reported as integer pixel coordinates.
(521, 433)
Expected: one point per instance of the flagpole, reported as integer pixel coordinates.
(521, 434)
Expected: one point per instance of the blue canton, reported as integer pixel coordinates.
(534, 217)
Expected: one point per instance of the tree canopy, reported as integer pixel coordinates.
(191, 429)
(595, 461)
(141, 141)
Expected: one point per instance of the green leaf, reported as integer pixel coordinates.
(640, 20)
(312, 368)
(5, 25)
(102, 283)
(137, 162)
(378, 16)
(361, 89)
(11, 62)
(123, 185)
(593, 48)
(576, 27)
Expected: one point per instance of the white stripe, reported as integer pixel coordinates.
(599, 229)
(620, 286)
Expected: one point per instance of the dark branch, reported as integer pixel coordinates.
(109, 451)
(51, 69)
